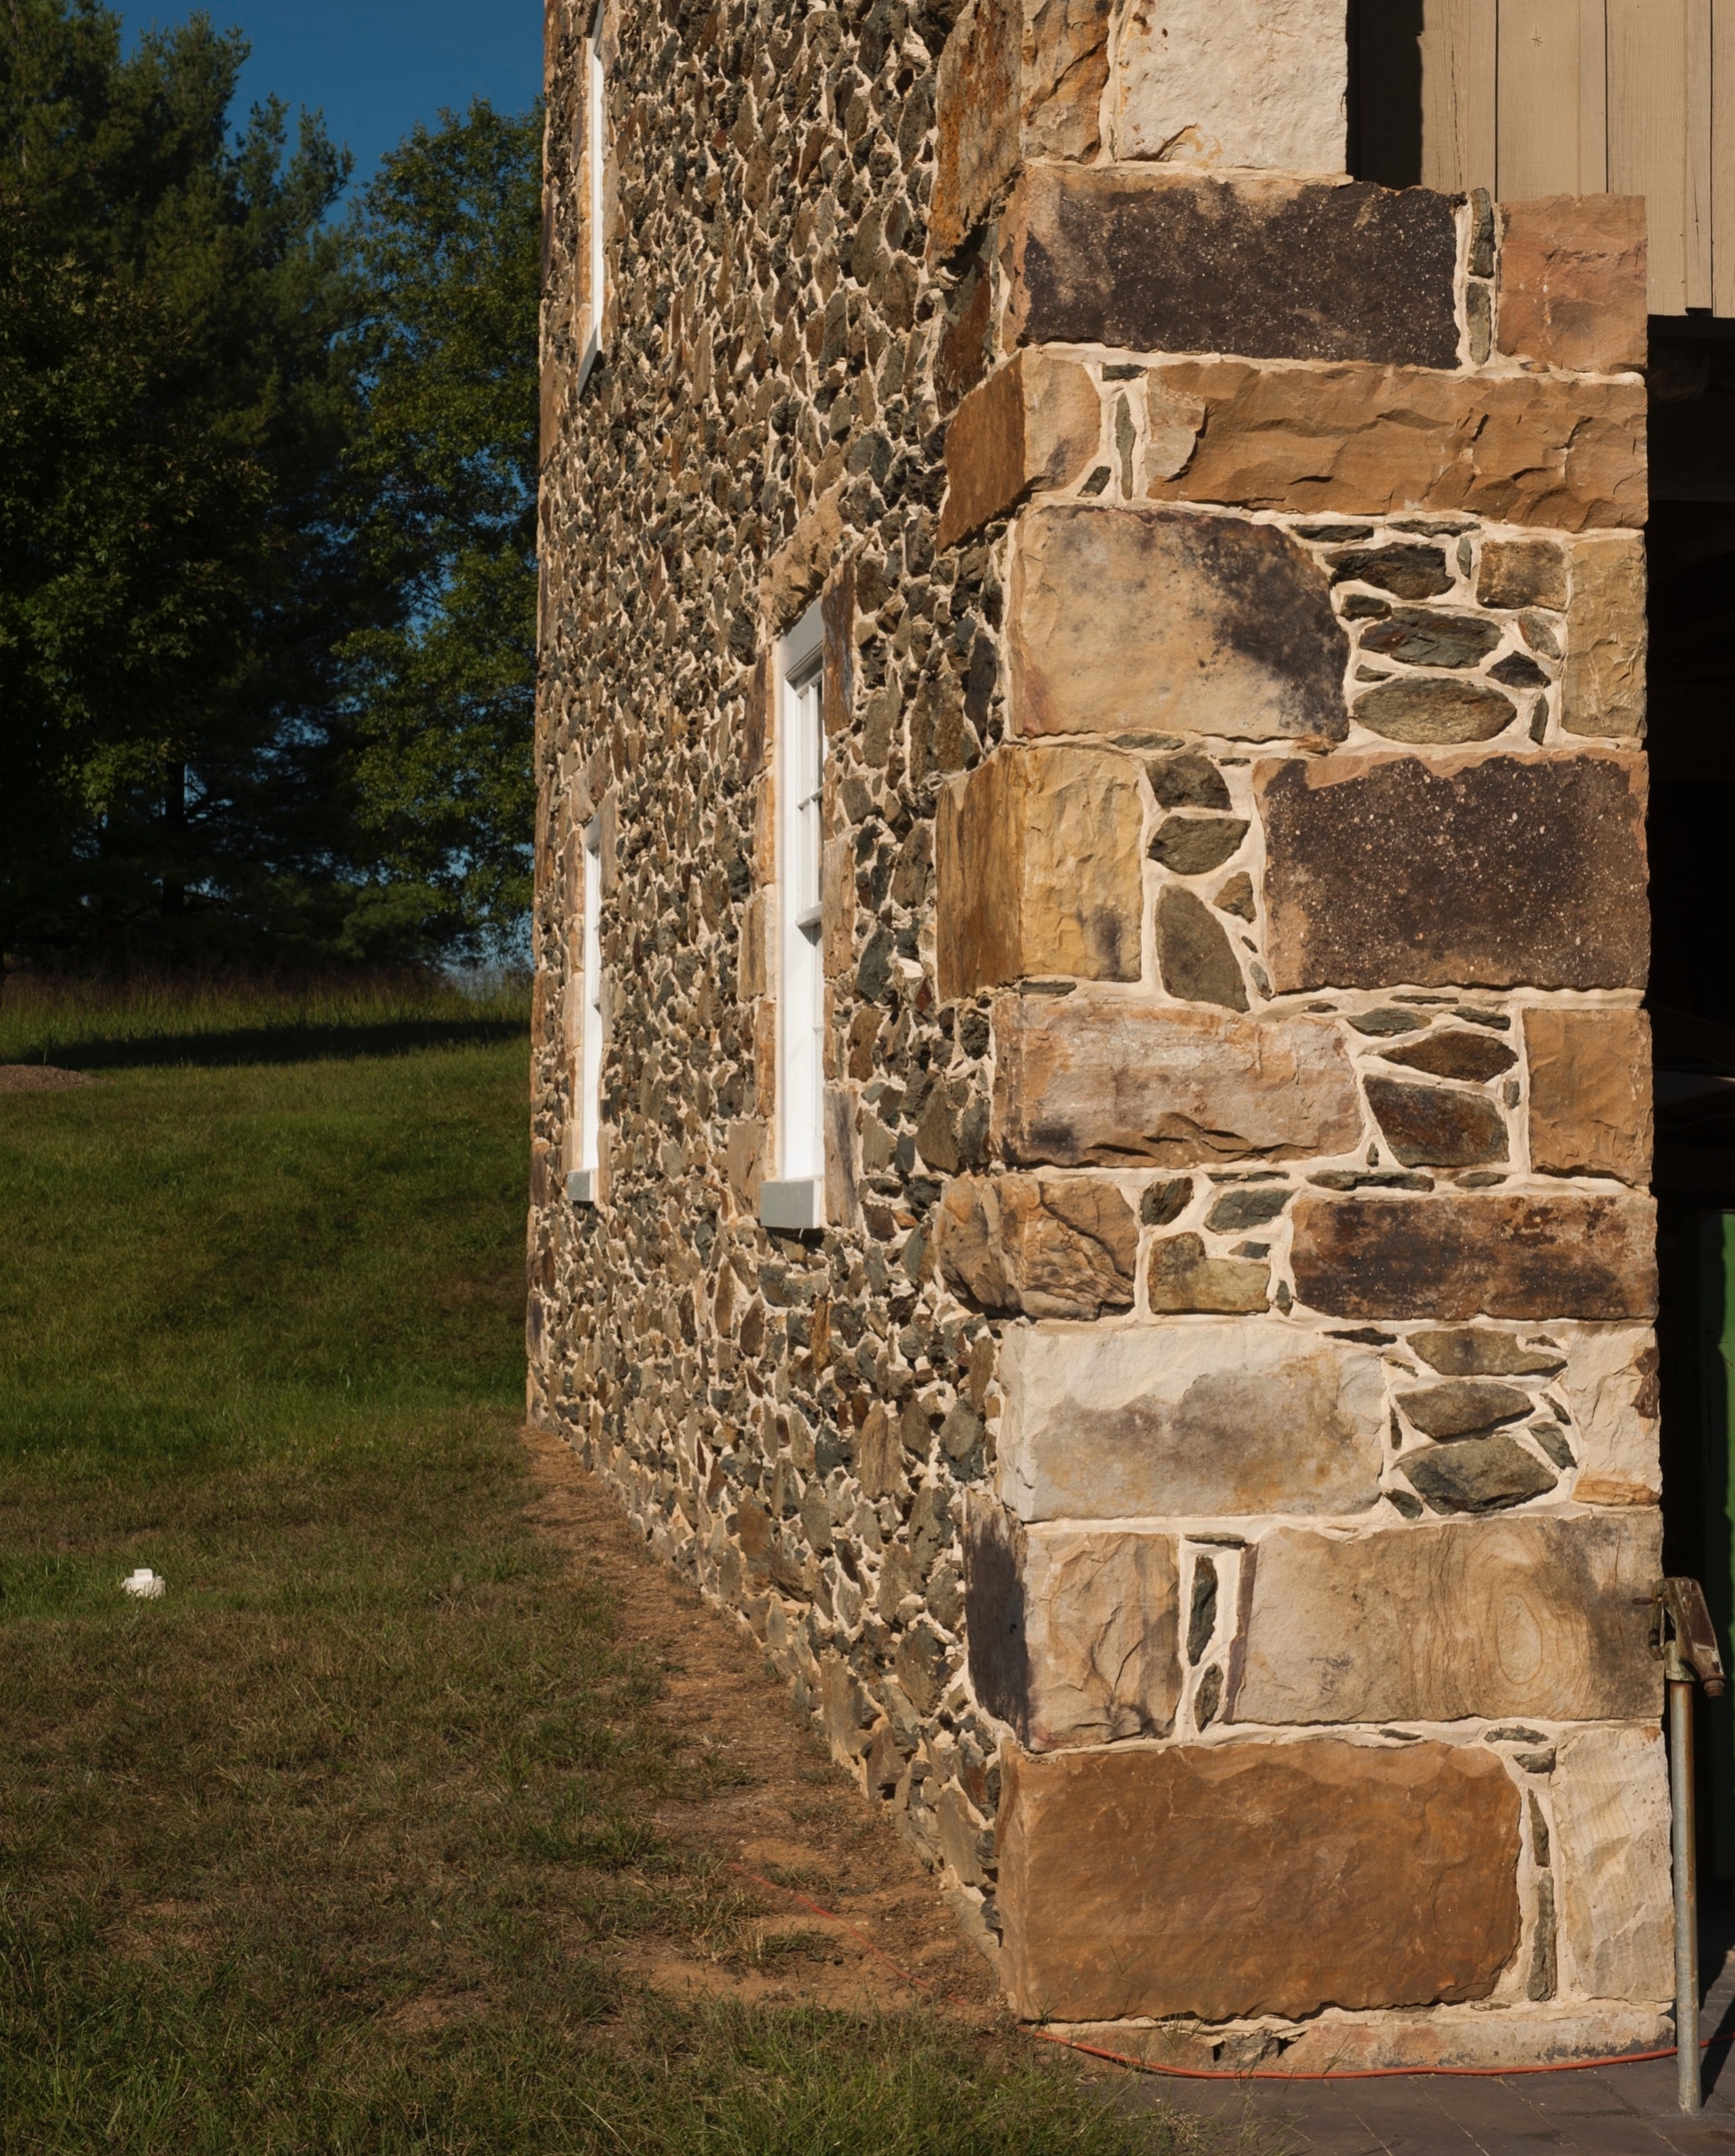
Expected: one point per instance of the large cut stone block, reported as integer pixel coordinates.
(1611, 1850)
(1608, 633)
(1529, 449)
(1084, 1079)
(1221, 626)
(1037, 852)
(1247, 1879)
(1036, 422)
(1590, 1092)
(1169, 261)
(1468, 870)
(1017, 78)
(1437, 1623)
(1610, 1383)
(1073, 1634)
(1571, 1256)
(1244, 82)
(1188, 1421)
(1573, 281)
(1060, 1246)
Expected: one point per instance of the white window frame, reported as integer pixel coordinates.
(582, 1182)
(795, 1198)
(595, 153)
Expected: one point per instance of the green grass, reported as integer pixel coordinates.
(325, 1851)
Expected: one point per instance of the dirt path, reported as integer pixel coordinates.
(795, 1821)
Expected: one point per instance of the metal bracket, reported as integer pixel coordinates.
(1682, 1631)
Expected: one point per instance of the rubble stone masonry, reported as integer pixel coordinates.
(1203, 1476)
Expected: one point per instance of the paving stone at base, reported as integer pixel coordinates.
(1188, 1419)
(1140, 1881)
(1533, 1617)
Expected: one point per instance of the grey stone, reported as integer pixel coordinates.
(1202, 1614)
(1471, 1057)
(1194, 955)
(1236, 897)
(1476, 1350)
(1423, 637)
(1544, 1973)
(1435, 710)
(1163, 1201)
(1478, 1474)
(1432, 1127)
(1208, 1698)
(1247, 1208)
(1553, 1440)
(1188, 781)
(1193, 846)
(1518, 672)
(1407, 571)
(1387, 1022)
(1455, 1409)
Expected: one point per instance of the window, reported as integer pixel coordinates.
(594, 166)
(582, 1183)
(796, 1198)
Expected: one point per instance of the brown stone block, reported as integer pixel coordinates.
(1181, 1277)
(1573, 274)
(1073, 1632)
(1061, 1246)
(1037, 852)
(1036, 422)
(1086, 1079)
(1573, 1256)
(1536, 1616)
(1523, 573)
(1167, 259)
(1528, 449)
(1608, 633)
(1382, 870)
(1247, 1879)
(1437, 1125)
(1188, 1422)
(1590, 1092)
(1221, 626)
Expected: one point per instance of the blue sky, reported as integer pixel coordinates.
(378, 67)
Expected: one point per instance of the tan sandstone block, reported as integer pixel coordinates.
(1084, 1079)
(1142, 1882)
(1590, 1092)
(1607, 636)
(1611, 1853)
(1061, 1246)
(1573, 275)
(1610, 1383)
(1529, 449)
(1035, 422)
(1221, 626)
(1435, 1623)
(1037, 853)
(1192, 1421)
(1232, 82)
(1073, 1633)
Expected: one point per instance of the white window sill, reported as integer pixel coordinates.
(793, 1206)
(582, 1186)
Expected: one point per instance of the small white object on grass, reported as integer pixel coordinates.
(144, 1582)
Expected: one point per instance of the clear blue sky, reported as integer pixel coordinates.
(377, 67)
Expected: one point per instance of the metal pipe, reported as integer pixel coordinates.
(1687, 2087)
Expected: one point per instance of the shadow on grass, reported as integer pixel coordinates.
(289, 1044)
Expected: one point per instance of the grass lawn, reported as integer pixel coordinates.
(323, 1851)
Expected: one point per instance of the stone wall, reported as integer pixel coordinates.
(1203, 1479)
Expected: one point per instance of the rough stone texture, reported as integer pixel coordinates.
(1590, 1098)
(1195, 845)
(1461, 1406)
(1573, 274)
(1265, 268)
(1611, 1858)
(1403, 568)
(1037, 852)
(1225, 627)
(1424, 636)
(1194, 955)
(1181, 1276)
(1060, 1246)
(1539, 449)
(1606, 639)
(1033, 423)
(1435, 711)
(1473, 1057)
(1479, 1351)
(1432, 1126)
(1610, 1384)
(1143, 1881)
(1243, 83)
(1380, 867)
(1478, 1474)
(1463, 1257)
(1073, 1633)
(1524, 1617)
(1188, 1422)
(1523, 573)
(1084, 1079)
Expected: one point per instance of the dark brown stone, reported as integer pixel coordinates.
(1236, 1211)
(1176, 261)
(1516, 671)
(1164, 1202)
(1063, 1247)
(1143, 1882)
(1195, 955)
(1409, 572)
(1516, 572)
(1193, 845)
(1236, 897)
(1472, 1057)
(1429, 1126)
(1382, 869)
(1464, 1406)
(1570, 1256)
(1387, 1022)
(1188, 781)
(1435, 711)
(1423, 638)
(1478, 1474)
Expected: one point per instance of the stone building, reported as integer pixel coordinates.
(1091, 1106)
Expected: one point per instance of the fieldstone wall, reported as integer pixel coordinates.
(1203, 1479)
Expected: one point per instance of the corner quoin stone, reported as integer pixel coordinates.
(1216, 82)
(1061, 1246)
(1035, 422)
(1224, 627)
(1142, 1882)
(1573, 280)
(1086, 1079)
(1589, 1095)
(1037, 858)
(1380, 870)
(1608, 635)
